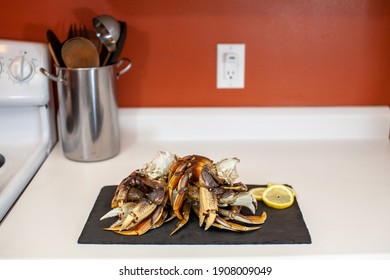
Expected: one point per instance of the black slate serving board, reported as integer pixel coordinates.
(285, 226)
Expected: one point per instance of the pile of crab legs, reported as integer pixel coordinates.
(171, 187)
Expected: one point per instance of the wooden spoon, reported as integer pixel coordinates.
(55, 48)
(79, 52)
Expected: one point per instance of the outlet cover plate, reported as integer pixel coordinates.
(230, 66)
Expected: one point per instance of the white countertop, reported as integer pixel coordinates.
(337, 159)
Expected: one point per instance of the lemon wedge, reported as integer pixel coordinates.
(278, 196)
(257, 193)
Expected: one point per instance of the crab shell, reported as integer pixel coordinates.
(159, 166)
(226, 169)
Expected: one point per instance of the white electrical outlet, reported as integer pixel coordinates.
(230, 65)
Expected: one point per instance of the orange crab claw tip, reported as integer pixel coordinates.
(127, 232)
(258, 219)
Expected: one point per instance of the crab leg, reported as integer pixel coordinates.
(180, 196)
(223, 224)
(171, 214)
(175, 178)
(234, 215)
(240, 187)
(186, 216)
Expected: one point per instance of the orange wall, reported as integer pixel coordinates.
(298, 53)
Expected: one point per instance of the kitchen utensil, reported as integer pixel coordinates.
(104, 55)
(83, 31)
(79, 52)
(55, 47)
(70, 32)
(75, 31)
(80, 31)
(53, 54)
(120, 44)
(88, 113)
(108, 31)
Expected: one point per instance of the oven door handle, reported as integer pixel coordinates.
(52, 77)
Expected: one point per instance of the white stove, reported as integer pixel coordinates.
(27, 126)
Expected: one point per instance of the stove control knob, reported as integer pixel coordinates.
(21, 70)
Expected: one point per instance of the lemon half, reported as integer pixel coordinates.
(278, 196)
(258, 193)
(287, 186)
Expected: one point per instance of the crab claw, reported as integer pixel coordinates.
(208, 207)
(142, 210)
(146, 224)
(239, 199)
(247, 200)
(112, 213)
(156, 196)
(120, 194)
(120, 212)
